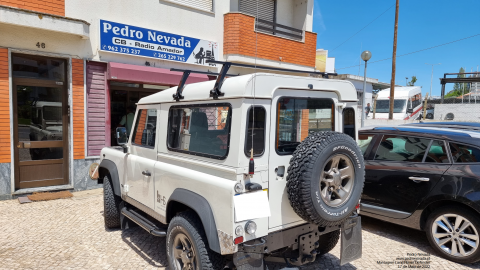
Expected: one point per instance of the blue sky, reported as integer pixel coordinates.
(422, 24)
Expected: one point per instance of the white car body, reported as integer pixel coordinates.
(215, 179)
(411, 97)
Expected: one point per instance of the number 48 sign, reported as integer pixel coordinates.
(40, 45)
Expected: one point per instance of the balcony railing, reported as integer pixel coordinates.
(278, 29)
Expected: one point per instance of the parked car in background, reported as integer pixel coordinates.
(428, 178)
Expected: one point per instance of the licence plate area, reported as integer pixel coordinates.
(351, 240)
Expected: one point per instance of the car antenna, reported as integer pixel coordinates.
(251, 164)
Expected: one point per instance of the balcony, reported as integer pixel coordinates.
(269, 43)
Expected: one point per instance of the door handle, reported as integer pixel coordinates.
(146, 173)
(422, 179)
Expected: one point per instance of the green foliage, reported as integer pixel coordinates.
(413, 81)
(459, 89)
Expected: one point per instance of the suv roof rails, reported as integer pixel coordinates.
(215, 92)
(186, 72)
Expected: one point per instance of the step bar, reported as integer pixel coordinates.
(143, 222)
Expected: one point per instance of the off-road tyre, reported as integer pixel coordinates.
(303, 178)
(466, 213)
(111, 205)
(189, 224)
(327, 242)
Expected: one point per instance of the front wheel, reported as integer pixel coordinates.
(454, 233)
(187, 245)
(111, 205)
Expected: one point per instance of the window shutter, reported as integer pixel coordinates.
(266, 8)
(199, 4)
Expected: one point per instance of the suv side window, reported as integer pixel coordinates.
(402, 148)
(464, 153)
(256, 125)
(297, 117)
(349, 122)
(202, 130)
(437, 153)
(145, 128)
(364, 141)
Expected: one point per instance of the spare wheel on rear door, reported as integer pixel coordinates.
(325, 178)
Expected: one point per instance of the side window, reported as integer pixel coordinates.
(437, 153)
(349, 122)
(201, 130)
(464, 153)
(401, 148)
(256, 126)
(298, 117)
(364, 141)
(145, 128)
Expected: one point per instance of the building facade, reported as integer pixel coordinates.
(70, 70)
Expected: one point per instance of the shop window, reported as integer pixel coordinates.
(256, 121)
(298, 117)
(349, 122)
(464, 153)
(402, 148)
(201, 130)
(145, 128)
(32, 66)
(437, 153)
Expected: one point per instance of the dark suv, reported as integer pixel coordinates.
(427, 178)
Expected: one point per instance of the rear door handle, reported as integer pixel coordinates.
(423, 179)
(146, 173)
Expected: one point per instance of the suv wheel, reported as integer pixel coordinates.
(325, 178)
(454, 233)
(111, 205)
(187, 245)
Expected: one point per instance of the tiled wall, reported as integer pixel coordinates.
(78, 110)
(56, 7)
(5, 153)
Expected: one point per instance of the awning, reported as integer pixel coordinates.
(148, 75)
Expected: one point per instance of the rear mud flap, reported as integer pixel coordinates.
(351, 246)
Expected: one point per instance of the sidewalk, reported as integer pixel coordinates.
(69, 234)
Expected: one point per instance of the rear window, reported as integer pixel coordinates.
(255, 131)
(298, 117)
(464, 153)
(202, 130)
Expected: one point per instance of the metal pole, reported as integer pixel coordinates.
(363, 95)
(394, 59)
(431, 80)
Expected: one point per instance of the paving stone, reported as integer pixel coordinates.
(70, 234)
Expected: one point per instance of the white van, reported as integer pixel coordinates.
(407, 104)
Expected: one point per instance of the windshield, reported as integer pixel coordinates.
(383, 106)
(51, 113)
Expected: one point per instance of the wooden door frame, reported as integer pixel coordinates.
(65, 123)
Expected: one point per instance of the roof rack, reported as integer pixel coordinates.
(215, 92)
(186, 72)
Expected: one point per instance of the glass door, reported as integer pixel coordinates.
(40, 131)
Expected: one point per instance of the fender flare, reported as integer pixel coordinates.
(112, 169)
(201, 206)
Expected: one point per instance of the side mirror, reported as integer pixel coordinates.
(122, 136)
(409, 110)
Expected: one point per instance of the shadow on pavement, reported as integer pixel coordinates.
(403, 235)
(327, 261)
(151, 248)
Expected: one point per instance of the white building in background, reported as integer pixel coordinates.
(373, 86)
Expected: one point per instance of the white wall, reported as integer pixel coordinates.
(302, 14)
(359, 86)
(285, 12)
(153, 14)
(461, 112)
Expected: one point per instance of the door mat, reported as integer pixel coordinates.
(46, 196)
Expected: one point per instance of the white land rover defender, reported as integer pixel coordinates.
(187, 173)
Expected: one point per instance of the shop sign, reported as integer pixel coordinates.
(132, 40)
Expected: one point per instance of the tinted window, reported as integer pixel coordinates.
(200, 130)
(255, 126)
(437, 153)
(464, 153)
(145, 128)
(32, 66)
(299, 117)
(383, 106)
(364, 141)
(349, 122)
(401, 148)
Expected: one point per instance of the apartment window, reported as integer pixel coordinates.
(201, 130)
(206, 5)
(265, 8)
